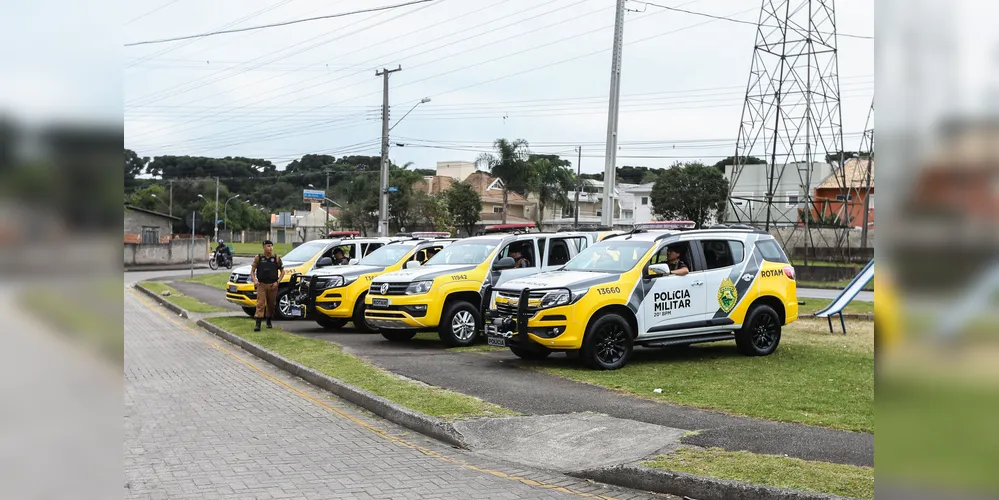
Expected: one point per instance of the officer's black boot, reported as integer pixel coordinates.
(269, 325)
(257, 327)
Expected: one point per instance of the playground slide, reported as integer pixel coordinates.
(848, 293)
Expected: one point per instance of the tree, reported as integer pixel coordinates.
(403, 207)
(153, 198)
(834, 159)
(690, 191)
(747, 160)
(552, 183)
(434, 208)
(134, 166)
(510, 166)
(465, 206)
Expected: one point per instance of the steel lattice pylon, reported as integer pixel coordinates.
(791, 117)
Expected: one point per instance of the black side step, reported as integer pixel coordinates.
(691, 339)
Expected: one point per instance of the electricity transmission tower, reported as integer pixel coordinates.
(862, 180)
(791, 117)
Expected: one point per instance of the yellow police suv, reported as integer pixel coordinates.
(620, 292)
(308, 256)
(335, 294)
(446, 293)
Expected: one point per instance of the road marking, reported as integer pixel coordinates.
(379, 432)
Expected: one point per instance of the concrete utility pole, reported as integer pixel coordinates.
(327, 227)
(171, 198)
(579, 185)
(615, 97)
(193, 220)
(383, 185)
(216, 209)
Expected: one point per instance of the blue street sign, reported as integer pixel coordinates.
(313, 195)
(392, 189)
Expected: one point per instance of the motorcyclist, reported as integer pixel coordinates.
(222, 252)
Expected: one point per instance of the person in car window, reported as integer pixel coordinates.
(339, 258)
(430, 252)
(520, 257)
(674, 260)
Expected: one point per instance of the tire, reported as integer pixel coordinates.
(358, 317)
(760, 334)
(460, 324)
(398, 335)
(531, 352)
(228, 263)
(213, 264)
(330, 323)
(608, 343)
(250, 311)
(283, 296)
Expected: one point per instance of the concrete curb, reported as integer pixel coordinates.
(689, 485)
(164, 302)
(424, 424)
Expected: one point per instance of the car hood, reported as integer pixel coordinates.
(573, 280)
(423, 273)
(346, 271)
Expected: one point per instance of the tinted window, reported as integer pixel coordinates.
(721, 253)
(558, 253)
(771, 251)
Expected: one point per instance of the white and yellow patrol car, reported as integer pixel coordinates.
(335, 295)
(446, 293)
(620, 292)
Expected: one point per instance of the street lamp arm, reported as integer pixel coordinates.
(425, 99)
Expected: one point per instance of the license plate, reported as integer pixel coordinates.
(232, 288)
(296, 311)
(381, 302)
(496, 341)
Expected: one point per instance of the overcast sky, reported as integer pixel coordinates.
(492, 68)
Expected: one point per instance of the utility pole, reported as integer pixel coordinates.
(171, 197)
(325, 194)
(216, 209)
(579, 185)
(193, 220)
(612, 115)
(383, 185)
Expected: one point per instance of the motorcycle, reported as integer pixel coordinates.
(218, 259)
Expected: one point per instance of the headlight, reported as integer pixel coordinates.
(418, 287)
(555, 299)
(338, 281)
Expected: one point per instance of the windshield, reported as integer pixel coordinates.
(470, 252)
(610, 257)
(387, 255)
(304, 252)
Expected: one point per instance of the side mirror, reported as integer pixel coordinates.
(504, 264)
(324, 262)
(657, 271)
(352, 262)
(413, 264)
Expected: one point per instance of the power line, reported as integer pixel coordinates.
(275, 25)
(740, 21)
(157, 9)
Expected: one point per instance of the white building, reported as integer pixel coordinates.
(641, 198)
(457, 170)
(591, 200)
(748, 201)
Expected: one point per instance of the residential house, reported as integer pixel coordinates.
(748, 203)
(963, 177)
(591, 207)
(641, 198)
(457, 170)
(846, 194)
(302, 225)
(491, 191)
(147, 226)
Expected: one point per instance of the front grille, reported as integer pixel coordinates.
(507, 309)
(239, 278)
(394, 289)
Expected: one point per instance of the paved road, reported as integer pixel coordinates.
(205, 420)
(501, 378)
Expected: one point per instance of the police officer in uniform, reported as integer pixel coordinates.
(268, 270)
(676, 264)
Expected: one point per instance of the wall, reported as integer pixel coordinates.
(176, 251)
(459, 170)
(134, 221)
(825, 201)
(834, 245)
(753, 183)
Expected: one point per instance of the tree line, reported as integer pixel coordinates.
(690, 190)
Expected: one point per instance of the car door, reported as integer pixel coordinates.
(509, 274)
(558, 252)
(674, 303)
(722, 257)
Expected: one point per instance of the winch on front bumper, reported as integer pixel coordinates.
(503, 329)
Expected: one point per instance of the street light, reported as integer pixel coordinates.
(225, 212)
(383, 197)
(422, 101)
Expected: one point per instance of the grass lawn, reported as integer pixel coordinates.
(330, 359)
(252, 249)
(214, 280)
(814, 305)
(772, 470)
(813, 378)
(177, 298)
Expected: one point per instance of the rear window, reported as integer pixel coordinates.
(771, 251)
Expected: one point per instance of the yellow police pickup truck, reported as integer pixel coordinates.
(335, 294)
(621, 292)
(446, 293)
(303, 259)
